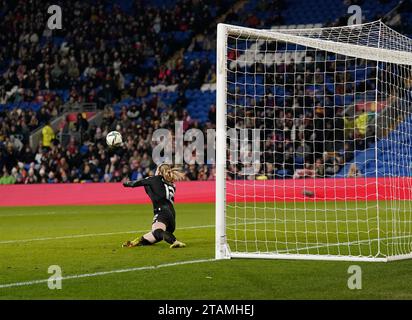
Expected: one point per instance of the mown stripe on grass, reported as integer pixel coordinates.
(102, 273)
(96, 234)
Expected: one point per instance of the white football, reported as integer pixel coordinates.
(114, 138)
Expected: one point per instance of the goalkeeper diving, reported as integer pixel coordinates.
(161, 190)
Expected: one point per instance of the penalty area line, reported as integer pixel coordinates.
(103, 273)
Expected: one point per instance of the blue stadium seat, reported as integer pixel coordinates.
(394, 155)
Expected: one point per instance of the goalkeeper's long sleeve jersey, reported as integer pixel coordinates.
(161, 192)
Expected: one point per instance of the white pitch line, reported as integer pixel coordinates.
(69, 237)
(95, 235)
(102, 273)
(10, 215)
(325, 245)
(107, 234)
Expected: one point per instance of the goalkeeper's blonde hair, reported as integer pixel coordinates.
(170, 174)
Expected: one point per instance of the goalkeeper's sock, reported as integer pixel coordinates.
(160, 235)
(142, 241)
(169, 237)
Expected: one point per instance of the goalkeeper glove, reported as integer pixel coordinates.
(128, 184)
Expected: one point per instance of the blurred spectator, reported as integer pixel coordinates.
(212, 114)
(306, 172)
(332, 162)
(319, 168)
(354, 172)
(47, 135)
(6, 178)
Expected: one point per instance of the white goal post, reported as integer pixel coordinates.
(314, 143)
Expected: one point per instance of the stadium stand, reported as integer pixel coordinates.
(160, 70)
(373, 162)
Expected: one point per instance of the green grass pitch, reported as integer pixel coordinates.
(85, 241)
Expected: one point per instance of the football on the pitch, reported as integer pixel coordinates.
(114, 139)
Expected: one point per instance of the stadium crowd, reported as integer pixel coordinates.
(92, 161)
(97, 48)
(104, 55)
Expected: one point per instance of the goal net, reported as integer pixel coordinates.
(314, 143)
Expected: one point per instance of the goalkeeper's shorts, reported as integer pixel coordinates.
(166, 216)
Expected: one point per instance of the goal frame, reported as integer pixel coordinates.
(222, 250)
